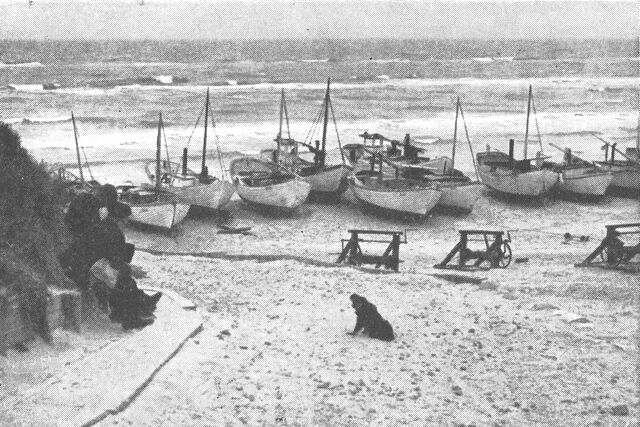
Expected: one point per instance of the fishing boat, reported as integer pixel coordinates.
(190, 187)
(326, 180)
(393, 194)
(268, 185)
(580, 177)
(155, 207)
(504, 174)
(405, 152)
(459, 193)
(626, 173)
(525, 178)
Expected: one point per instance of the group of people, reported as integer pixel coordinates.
(98, 259)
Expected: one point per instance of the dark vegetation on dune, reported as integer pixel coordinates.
(31, 231)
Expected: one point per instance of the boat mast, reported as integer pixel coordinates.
(158, 154)
(279, 139)
(526, 133)
(75, 135)
(455, 136)
(324, 124)
(203, 170)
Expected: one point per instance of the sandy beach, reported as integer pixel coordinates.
(538, 343)
(516, 359)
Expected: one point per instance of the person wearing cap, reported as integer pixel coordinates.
(129, 305)
(99, 257)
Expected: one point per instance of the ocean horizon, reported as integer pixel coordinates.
(116, 90)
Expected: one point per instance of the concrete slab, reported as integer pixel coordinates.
(95, 387)
(168, 293)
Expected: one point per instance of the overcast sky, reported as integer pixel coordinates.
(257, 19)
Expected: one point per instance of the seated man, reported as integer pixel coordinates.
(99, 257)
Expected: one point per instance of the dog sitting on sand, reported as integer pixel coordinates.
(369, 320)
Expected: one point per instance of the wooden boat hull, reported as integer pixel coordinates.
(460, 197)
(419, 200)
(287, 195)
(260, 183)
(188, 189)
(584, 181)
(162, 214)
(214, 195)
(528, 184)
(625, 177)
(328, 180)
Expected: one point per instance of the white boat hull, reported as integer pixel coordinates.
(328, 180)
(584, 181)
(417, 201)
(625, 177)
(213, 196)
(459, 196)
(529, 184)
(161, 214)
(286, 195)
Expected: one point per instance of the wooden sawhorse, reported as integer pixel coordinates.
(612, 250)
(497, 251)
(390, 259)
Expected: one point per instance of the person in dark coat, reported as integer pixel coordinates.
(93, 220)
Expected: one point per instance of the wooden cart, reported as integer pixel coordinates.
(612, 251)
(497, 252)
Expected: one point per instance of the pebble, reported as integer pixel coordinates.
(620, 410)
(457, 390)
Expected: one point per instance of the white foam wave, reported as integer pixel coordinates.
(20, 64)
(13, 120)
(167, 80)
(81, 91)
(57, 119)
(37, 120)
(390, 61)
(26, 88)
(578, 82)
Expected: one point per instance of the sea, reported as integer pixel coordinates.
(584, 92)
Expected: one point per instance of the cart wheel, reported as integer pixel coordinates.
(505, 258)
(624, 257)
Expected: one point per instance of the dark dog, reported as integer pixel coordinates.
(369, 320)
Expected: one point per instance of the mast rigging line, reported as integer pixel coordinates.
(188, 142)
(166, 146)
(466, 131)
(314, 126)
(335, 124)
(535, 117)
(217, 139)
(86, 163)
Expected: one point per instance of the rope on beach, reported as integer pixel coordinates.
(260, 258)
